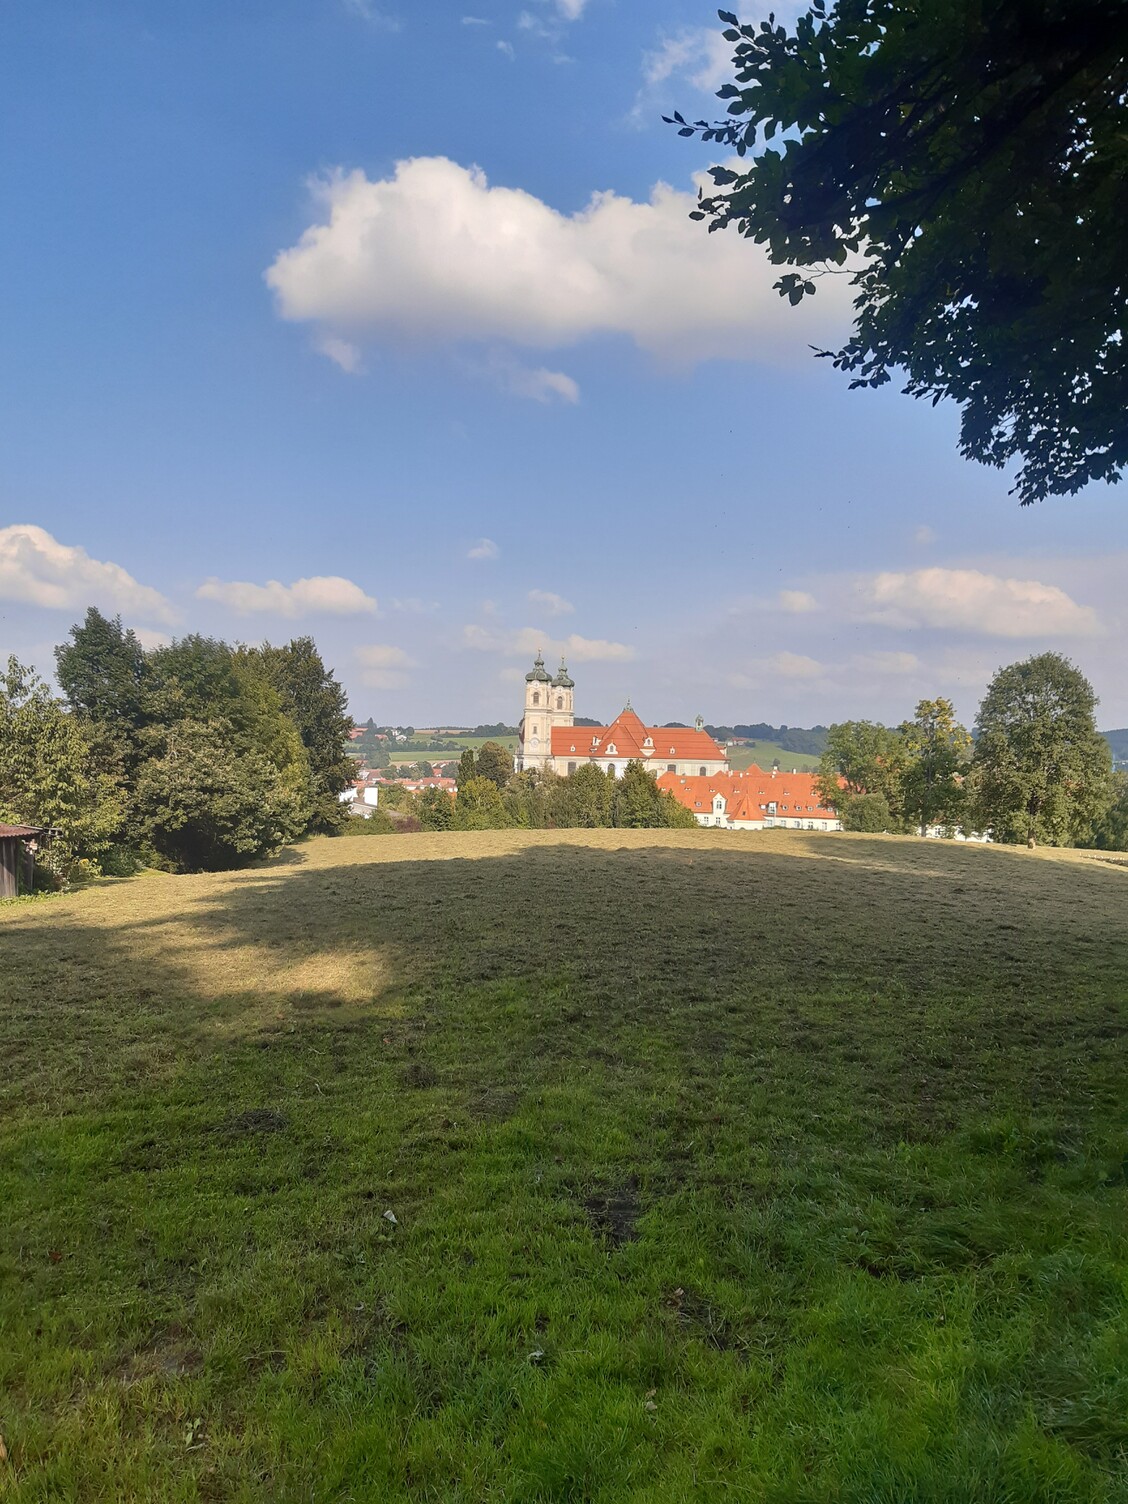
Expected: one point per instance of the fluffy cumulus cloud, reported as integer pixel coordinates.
(797, 602)
(435, 253)
(325, 594)
(970, 600)
(549, 601)
(485, 548)
(527, 641)
(39, 570)
(382, 666)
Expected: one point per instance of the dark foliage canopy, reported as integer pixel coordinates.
(966, 161)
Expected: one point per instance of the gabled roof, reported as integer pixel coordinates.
(631, 739)
(748, 794)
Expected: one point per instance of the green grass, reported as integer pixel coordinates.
(782, 1167)
(763, 754)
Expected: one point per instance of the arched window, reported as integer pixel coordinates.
(536, 696)
(703, 772)
(560, 702)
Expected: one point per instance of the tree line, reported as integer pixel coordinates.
(1037, 770)
(491, 796)
(192, 756)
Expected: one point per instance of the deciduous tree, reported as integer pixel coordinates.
(494, 763)
(50, 772)
(1043, 770)
(863, 757)
(966, 159)
(936, 753)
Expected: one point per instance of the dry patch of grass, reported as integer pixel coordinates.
(781, 1167)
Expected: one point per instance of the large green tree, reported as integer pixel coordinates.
(936, 754)
(864, 758)
(479, 806)
(964, 162)
(318, 706)
(1042, 769)
(494, 763)
(103, 673)
(51, 774)
(1110, 829)
(204, 803)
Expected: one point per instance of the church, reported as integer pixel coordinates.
(549, 741)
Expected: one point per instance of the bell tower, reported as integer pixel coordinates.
(534, 735)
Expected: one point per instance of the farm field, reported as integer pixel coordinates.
(763, 754)
(588, 1166)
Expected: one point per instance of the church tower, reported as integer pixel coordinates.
(548, 703)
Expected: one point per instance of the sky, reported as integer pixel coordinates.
(384, 322)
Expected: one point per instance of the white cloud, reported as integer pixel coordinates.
(924, 535)
(329, 594)
(507, 49)
(382, 665)
(887, 663)
(972, 601)
(341, 352)
(373, 15)
(476, 21)
(795, 666)
(149, 638)
(526, 641)
(554, 604)
(699, 54)
(485, 548)
(38, 569)
(571, 10)
(797, 602)
(434, 253)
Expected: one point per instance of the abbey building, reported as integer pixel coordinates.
(549, 740)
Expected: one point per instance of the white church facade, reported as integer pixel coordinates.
(550, 741)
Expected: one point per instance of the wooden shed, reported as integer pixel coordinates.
(18, 844)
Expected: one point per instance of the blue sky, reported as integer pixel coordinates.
(384, 322)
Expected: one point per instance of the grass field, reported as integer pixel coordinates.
(763, 754)
(766, 1168)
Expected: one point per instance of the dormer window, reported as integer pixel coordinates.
(612, 751)
(648, 742)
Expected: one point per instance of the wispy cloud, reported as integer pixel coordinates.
(796, 602)
(485, 548)
(554, 604)
(319, 594)
(382, 665)
(38, 569)
(526, 641)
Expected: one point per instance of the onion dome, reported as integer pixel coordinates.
(538, 672)
(562, 681)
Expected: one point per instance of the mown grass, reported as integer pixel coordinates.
(763, 754)
(783, 1167)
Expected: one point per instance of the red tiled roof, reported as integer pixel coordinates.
(747, 794)
(628, 736)
(22, 830)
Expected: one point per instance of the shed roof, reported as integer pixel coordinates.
(21, 830)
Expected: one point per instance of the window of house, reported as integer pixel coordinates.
(571, 767)
(611, 750)
(671, 767)
(703, 772)
(611, 767)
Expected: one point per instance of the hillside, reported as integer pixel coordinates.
(1118, 741)
(601, 1166)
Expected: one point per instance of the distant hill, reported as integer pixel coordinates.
(1118, 741)
(809, 741)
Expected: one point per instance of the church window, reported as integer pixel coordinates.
(536, 696)
(703, 772)
(560, 702)
(611, 768)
